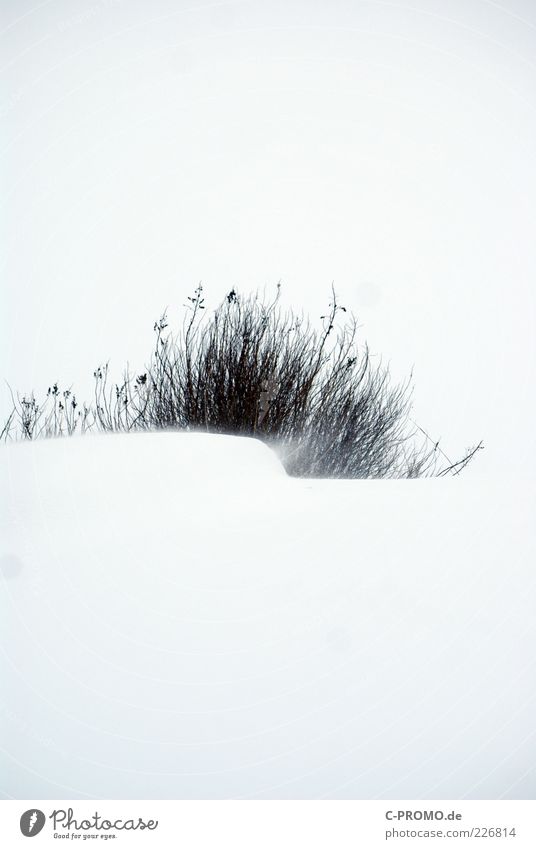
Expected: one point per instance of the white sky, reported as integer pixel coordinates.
(386, 146)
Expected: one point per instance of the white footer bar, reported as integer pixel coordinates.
(270, 824)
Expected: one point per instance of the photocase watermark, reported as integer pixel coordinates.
(68, 827)
(32, 822)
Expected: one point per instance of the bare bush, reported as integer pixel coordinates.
(254, 369)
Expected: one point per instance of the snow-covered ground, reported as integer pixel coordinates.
(180, 619)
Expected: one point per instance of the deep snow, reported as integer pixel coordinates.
(179, 619)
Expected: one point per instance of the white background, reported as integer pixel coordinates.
(179, 619)
(192, 623)
(385, 146)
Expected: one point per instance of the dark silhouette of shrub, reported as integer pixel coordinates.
(253, 369)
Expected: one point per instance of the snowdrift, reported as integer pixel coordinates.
(180, 619)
